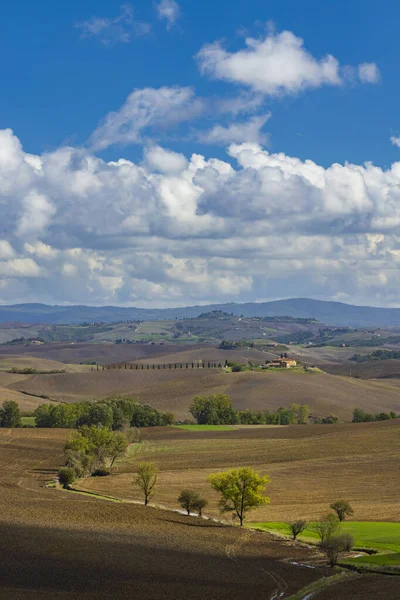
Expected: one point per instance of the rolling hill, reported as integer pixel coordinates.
(332, 313)
(173, 390)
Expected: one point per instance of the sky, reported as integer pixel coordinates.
(177, 152)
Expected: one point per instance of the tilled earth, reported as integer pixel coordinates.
(60, 545)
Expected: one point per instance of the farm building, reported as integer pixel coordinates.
(283, 363)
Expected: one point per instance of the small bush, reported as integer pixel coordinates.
(66, 476)
(101, 473)
(237, 368)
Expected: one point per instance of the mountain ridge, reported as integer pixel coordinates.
(330, 313)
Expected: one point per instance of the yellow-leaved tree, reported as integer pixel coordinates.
(241, 490)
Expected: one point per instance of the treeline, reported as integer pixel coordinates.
(218, 410)
(360, 416)
(112, 413)
(201, 364)
(377, 355)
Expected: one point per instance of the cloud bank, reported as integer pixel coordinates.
(173, 229)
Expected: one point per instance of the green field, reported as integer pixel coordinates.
(204, 427)
(384, 537)
(28, 421)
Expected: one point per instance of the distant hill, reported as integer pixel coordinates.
(331, 313)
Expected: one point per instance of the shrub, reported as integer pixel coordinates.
(101, 473)
(334, 546)
(188, 500)
(297, 527)
(66, 476)
(327, 526)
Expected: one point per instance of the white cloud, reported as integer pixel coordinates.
(144, 110)
(36, 213)
(165, 161)
(368, 73)
(178, 230)
(276, 65)
(110, 31)
(20, 267)
(170, 11)
(247, 131)
(395, 141)
(6, 250)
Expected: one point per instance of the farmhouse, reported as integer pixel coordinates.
(283, 363)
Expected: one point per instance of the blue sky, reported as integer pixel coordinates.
(161, 151)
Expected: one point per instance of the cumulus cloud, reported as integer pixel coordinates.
(247, 131)
(144, 111)
(276, 65)
(170, 11)
(174, 229)
(110, 31)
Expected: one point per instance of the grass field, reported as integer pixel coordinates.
(384, 537)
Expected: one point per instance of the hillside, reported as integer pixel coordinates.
(308, 466)
(332, 313)
(173, 390)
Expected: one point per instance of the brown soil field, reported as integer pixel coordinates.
(174, 390)
(211, 353)
(368, 587)
(41, 364)
(310, 467)
(56, 544)
(102, 353)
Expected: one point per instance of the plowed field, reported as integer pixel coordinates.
(174, 389)
(310, 466)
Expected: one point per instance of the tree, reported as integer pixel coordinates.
(199, 505)
(327, 526)
(188, 499)
(342, 509)
(335, 546)
(118, 447)
(241, 490)
(214, 410)
(297, 527)
(99, 443)
(66, 476)
(146, 479)
(10, 415)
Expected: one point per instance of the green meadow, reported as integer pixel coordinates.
(383, 537)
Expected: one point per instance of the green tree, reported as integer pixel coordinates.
(188, 499)
(10, 415)
(66, 476)
(117, 448)
(99, 443)
(146, 479)
(199, 505)
(297, 527)
(214, 410)
(342, 509)
(241, 490)
(327, 526)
